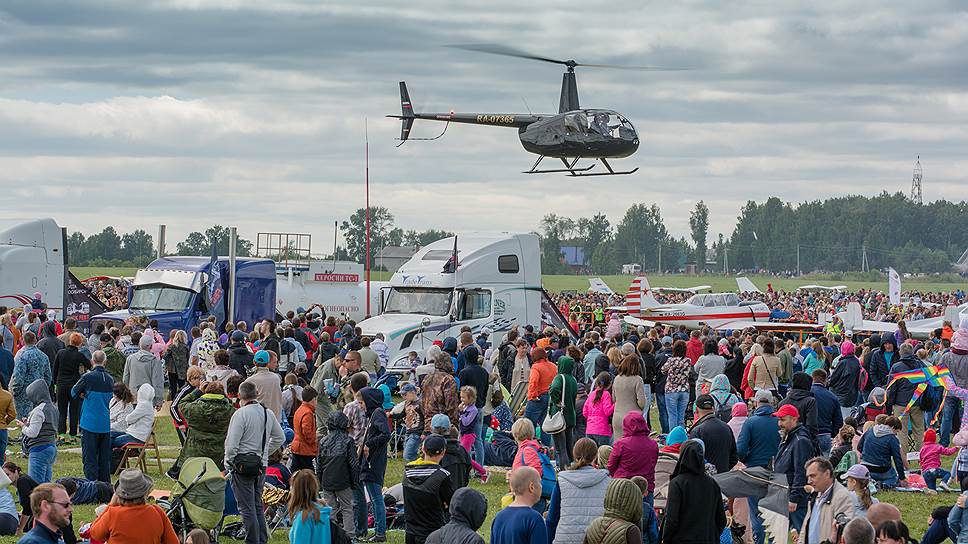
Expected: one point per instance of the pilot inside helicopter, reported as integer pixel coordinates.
(599, 125)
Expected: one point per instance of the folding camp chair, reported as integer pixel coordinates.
(138, 452)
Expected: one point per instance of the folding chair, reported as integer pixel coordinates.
(138, 453)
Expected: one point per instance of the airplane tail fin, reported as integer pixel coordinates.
(598, 285)
(640, 296)
(853, 317)
(951, 313)
(746, 286)
(406, 113)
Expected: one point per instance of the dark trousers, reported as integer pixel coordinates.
(564, 442)
(248, 496)
(300, 462)
(174, 385)
(96, 455)
(67, 404)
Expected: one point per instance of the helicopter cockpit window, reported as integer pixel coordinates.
(576, 123)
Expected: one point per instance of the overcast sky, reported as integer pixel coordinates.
(251, 112)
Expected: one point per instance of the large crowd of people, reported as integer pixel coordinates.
(613, 434)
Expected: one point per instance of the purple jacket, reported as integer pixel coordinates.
(635, 454)
(467, 417)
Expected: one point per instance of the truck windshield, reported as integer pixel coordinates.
(160, 298)
(418, 300)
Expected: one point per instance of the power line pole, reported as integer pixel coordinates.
(660, 258)
(864, 266)
(798, 261)
(726, 261)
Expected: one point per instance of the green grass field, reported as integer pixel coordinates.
(916, 507)
(620, 284)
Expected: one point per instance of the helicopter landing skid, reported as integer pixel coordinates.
(570, 168)
(578, 173)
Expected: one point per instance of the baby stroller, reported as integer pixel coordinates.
(201, 501)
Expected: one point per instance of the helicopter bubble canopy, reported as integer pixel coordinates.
(605, 124)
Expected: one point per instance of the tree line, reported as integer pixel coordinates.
(137, 248)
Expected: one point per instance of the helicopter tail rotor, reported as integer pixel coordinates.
(406, 116)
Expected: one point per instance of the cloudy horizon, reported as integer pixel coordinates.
(251, 113)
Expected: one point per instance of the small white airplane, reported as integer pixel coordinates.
(598, 286)
(717, 310)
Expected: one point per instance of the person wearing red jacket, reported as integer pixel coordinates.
(694, 347)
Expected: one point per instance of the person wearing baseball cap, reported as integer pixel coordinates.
(713, 430)
(427, 490)
(797, 447)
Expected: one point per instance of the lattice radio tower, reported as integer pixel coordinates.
(916, 182)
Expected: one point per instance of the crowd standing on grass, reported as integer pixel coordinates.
(305, 405)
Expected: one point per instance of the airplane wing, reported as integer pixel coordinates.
(636, 322)
(598, 285)
(683, 289)
(746, 286)
(769, 325)
(813, 287)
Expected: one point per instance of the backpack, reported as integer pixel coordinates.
(549, 478)
(287, 355)
(931, 398)
(724, 412)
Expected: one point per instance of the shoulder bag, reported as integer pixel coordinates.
(250, 464)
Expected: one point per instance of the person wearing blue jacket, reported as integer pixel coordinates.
(878, 447)
(95, 388)
(757, 445)
(829, 417)
(797, 448)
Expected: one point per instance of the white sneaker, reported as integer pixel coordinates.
(944, 486)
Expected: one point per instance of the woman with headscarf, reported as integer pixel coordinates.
(694, 510)
(621, 522)
(439, 392)
(207, 348)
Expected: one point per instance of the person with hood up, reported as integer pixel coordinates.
(474, 375)
(621, 521)
(140, 422)
(801, 397)
(845, 379)
(900, 394)
(30, 364)
(468, 508)
(427, 491)
(674, 440)
(694, 510)
(49, 343)
(240, 358)
(881, 361)
(879, 447)
(115, 364)
(739, 414)
(721, 392)
(338, 469)
(930, 460)
(40, 432)
(598, 410)
(206, 349)
(578, 496)
(562, 395)
(635, 454)
(614, 326)
(141, 368)
(373, 457)
(712, 430)
(450, 348)
(797, 448)
(439, 392)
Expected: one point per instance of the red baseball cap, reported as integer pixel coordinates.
(787, 410)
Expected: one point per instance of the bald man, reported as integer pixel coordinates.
(858, 531)
(880, 512)
(520, 522)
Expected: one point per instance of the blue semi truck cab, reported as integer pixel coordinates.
(173, 290)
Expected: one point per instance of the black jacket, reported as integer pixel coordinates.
(474, 375)
(661, 357)
(468, 508)
(845, 381)
(240, 358)
(373, 467)
(457, 462)
(694, 510)
(802, 399)
(337, 467)
(68, 365)
(427, 491)
(719, 440)
(795, 450)
(327, 350)
(879, 368)
(901, 392)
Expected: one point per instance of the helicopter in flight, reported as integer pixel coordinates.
(572, 134)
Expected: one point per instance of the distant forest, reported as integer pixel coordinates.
(832, 235)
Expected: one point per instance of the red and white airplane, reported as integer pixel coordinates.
(717, 310)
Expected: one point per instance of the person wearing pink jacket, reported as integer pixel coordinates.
(930, 457)
(598, 410)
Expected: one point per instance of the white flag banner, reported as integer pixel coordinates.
(894, 286)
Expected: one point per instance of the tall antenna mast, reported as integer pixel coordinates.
(916, 183)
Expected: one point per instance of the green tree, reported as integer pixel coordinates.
(639, 236)
(699, 225)
(201, 244)
(382, 233)
(420, 239)
(137, 247)
(76, 251)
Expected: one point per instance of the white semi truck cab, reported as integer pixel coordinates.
(496, 284)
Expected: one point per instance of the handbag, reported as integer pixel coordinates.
(250, 464)
(555, 423)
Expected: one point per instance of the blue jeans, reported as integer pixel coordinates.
(411, 447)
(756, 521)
(797, 517)
(676, 408)
(96, 455)
(650, 525)
(887, 479)
(479, 438)
(120, 439)
(951, 411)
(600, 439)
(663, 416)
(359, 510)
(375, 491)
(825, 443)
(932, 476)
(536, 410)
(40, 464)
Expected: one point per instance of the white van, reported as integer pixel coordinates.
(497, 284)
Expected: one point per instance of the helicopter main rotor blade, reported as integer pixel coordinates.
(637, 68)
(496, 49)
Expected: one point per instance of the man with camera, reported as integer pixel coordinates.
(831, 507)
